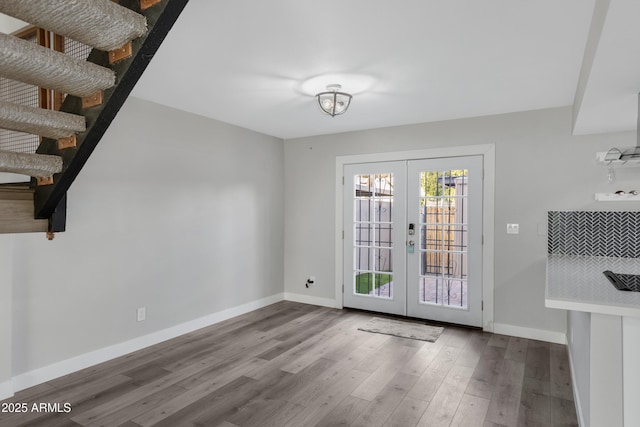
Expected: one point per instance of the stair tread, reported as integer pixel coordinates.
(102, 24)
(36, 165)
(27, 62)
(38, 121)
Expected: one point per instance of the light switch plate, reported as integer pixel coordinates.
(513, 228)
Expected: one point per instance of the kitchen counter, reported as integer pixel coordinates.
(577, 283)
(604, 349)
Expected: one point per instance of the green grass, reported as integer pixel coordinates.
(364, 281)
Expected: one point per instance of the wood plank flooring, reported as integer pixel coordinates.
(297, 365)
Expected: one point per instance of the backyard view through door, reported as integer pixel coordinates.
(413, 238)
(375, 214)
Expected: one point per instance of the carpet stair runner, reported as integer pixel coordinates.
(124, 36)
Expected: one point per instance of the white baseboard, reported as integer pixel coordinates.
(529, 333)
(576, 395)
(307, 299)
(47, 373)
(6, 390)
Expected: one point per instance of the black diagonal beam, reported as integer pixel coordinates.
(160, 19)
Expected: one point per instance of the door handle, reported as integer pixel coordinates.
(411, 246)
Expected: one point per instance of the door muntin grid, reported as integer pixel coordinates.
(373, 242)
(443, 238)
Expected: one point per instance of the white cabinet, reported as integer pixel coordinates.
(607, 378)
(631, 369)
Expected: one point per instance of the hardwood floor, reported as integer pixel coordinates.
(294, 365)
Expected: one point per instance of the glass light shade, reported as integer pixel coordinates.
(333, 102)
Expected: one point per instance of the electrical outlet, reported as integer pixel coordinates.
(513, 228)
(141, 313)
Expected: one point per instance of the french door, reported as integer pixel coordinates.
(413, 238)
(375, 216)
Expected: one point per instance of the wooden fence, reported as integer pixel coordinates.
(440, 238)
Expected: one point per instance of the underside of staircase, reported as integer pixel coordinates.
(124, 35)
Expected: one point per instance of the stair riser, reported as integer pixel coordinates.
(16, 216)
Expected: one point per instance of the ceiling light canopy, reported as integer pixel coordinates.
(333, 102)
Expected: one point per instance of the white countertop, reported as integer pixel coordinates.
(577, 283)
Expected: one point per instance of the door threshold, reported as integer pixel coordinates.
(414, 319)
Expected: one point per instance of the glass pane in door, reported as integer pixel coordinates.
(373, 243)
(443, 243)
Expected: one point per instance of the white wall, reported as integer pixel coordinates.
(539, 167)
(9, 25)
(174, 212)
(5, 313)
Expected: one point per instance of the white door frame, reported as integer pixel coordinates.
(488, 153)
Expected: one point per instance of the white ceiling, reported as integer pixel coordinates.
(249, 63)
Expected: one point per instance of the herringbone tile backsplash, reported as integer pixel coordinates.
(594, 233)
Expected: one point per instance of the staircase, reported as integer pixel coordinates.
(124, 35)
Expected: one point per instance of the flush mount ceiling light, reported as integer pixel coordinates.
(333, 102)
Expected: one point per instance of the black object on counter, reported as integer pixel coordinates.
(624, 282)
